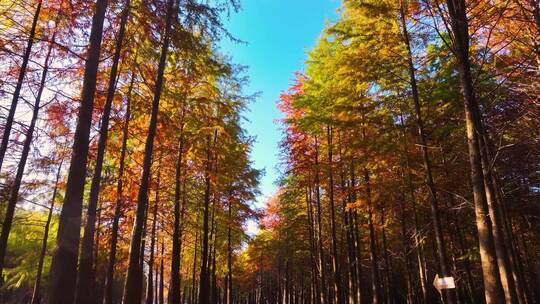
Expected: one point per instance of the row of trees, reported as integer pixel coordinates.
(138, 188)
(410, 150)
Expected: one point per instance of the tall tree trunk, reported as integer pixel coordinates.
(320, 252)
(313, 246)
(449, 295)
(64, 262)
(375, 280)
(134, 273)
(338, 295)
(228, 292)
(497, 221)
(36, 296)
(85, 292)
(174, 293)
(356, 236)
(20, 80)
(204, 281)
(387, 262)
(420, 257)
(16, 185)
(150, 286)
(492, 283)
(161, 277)
(193, 272)
(109, 276)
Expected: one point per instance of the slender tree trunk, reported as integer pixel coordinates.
(492, 283)
(497, 221)
(338, 295)
(16, 185)
(109, 276)
(64, 262)
(150, 283)
(449, 295)
(196, 247)
(134, 273)
(228, 293)
(204, 283)
(36, 296)
(161, 277)
(20, 80)
(174, 295)
(356, 237)
(387, 261)
(320, 255)
(375, 281)
(85, 292)
(420, 257)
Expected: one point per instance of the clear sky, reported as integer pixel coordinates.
(278, 34)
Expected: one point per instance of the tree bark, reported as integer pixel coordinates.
(20, 80)
(64, 262)
(174, 295)
(338, 294)
(109, 277)
(492, 283)
(134, 273)
(85, 292)
(204, 283)
(150, 282)
(375, 280)
(320, 252)
(449, 295)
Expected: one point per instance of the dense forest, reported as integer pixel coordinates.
(410, 157)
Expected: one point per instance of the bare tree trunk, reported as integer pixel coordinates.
(161, 277)
(174, 294)
(338, 295)
(134, 272)
(20, 80)
(449, 295)
(228, 293)
(375, 281)
(109, 276)
(204, 281)
(64, 263)
(150, 283)
(492, 283)
(36, 296)
(196, 247)
(16, 185)
(320, 253)
(85, 292)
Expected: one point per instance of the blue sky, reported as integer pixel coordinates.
(278, 34)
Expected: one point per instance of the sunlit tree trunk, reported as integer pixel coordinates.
(150, 278)
(85, 292)
(338, 295)
(449, 295)
(63, 277)
(492, 283)
(375, 280)
(133, 286)
(174, 293)
(109, 276)
(204, 280)
(320, 251)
